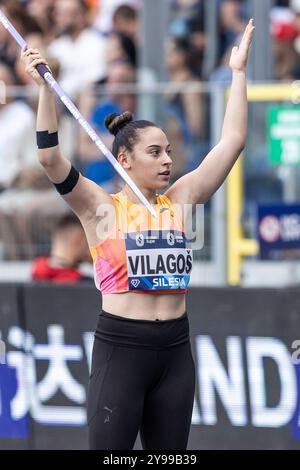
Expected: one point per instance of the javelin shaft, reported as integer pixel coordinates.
(48, 77)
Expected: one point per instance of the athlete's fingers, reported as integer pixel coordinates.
(247, 36)
(28, 51)
(33, 59)
(245, 32)
(23, 52)
(35, 56)
(36, 62)
(32, 66)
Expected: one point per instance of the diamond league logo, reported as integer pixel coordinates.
(140, 239)
(135, 282)
(170, 239)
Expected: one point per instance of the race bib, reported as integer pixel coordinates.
(159, 260)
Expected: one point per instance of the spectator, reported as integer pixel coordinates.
(188, 21)
(187, 107)
(126, 21)
(233, 20)
(93, 6)
(23, 22)
(284, 31)
(42, 12)
(222, 74)
(18, 165)
(104, 21)
(26, 193)
(283, 26)
(120, 48)
(16, 133)
(95, 166)
(68, 249)
(79, 48)
(295, 68)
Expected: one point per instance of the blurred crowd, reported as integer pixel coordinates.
(93, 45)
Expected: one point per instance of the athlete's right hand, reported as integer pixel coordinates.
(31, 58)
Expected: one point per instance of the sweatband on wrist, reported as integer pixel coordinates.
(69, 183)
(45, 140)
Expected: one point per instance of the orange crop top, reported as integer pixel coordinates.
(143, 253)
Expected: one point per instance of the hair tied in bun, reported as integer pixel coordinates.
(115, 122)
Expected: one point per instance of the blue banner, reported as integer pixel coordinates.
(278, 231)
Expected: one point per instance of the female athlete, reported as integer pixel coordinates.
(143, 374)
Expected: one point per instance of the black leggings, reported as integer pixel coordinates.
(142, 379)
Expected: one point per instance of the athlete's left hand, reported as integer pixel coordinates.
(239, 54)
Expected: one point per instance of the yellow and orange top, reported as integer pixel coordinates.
(143, 253)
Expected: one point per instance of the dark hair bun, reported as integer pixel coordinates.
(114, 122)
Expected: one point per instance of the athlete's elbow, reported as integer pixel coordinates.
(240, 147)
(238, 142)
(48, 157)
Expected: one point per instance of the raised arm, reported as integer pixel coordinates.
(199, 185)
(86, 195)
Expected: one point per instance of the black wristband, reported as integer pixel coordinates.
(70, 182)
(45, 140)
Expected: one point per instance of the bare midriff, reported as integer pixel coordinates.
(145, 306)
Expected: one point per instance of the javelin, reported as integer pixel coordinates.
(48, 77)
